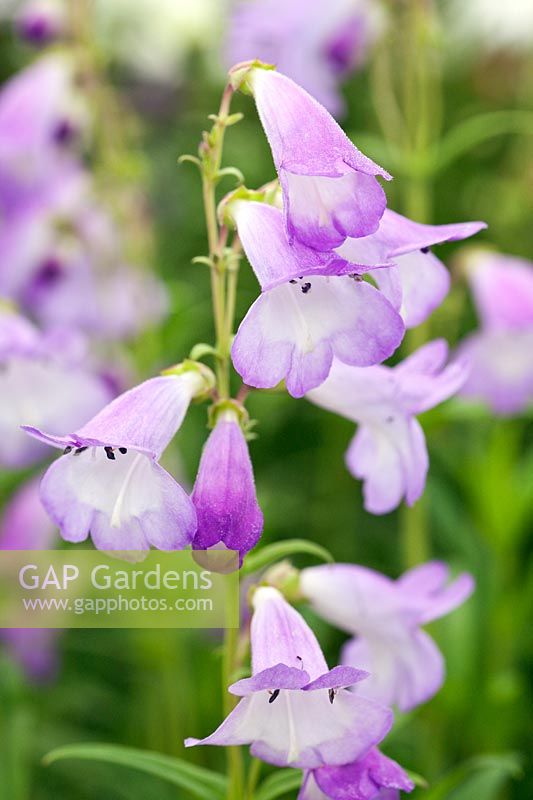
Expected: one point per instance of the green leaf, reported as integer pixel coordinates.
(278, 784)
(274, 552)
(200, 782)
(480, 777)
(474, 131)
(202, 349)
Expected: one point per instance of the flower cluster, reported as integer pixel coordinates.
(341, 277)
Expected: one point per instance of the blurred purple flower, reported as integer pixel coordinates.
(25, 525)
(295, 712)
(499, 353)
(224, 492)
(372, 777)
(307, 312)
(41, 22)
(389, 451)
(108, 481)
(329, 187)
(37, 107)
(314, 43)
(386, 617)
(43, 382)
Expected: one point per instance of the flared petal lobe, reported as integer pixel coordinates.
(224, 492)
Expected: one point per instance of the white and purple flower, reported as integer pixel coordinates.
(224, 492)
(499, 353)
(294, 711)
(389, 450)
(108, 481)
(311, 309)
(406, 667)
(372, 777)
(330, 190)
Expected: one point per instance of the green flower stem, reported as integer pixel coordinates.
(229, 667)
(224, 264)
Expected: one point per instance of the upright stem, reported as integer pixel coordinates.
(413, 128)
(222, 289)
(229, 664)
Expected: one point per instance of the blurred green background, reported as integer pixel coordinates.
(150, 689)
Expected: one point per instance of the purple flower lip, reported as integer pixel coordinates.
(74, 443)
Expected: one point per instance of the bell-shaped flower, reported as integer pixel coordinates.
(311, 309)
(108, 481)
(416, 282)
(329, 187)
(224, 492)
(499, 353)
(389, 450)
(43, 382)
(25, 525)
(293, 711)
(372, 777)
(406, 667)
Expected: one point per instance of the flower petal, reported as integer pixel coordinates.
(405, 670)
(293, 331)
(404, 235)
(127, 503)
(279, 635)
(276, 677)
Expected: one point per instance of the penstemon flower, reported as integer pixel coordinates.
(372, 777)
(307, 312)
(293, 711)
(108, 481)
(389, 450)
(330, 190)
(499, 353)
(416, 282)
(33, 366)
(406, 667)
(224, 491)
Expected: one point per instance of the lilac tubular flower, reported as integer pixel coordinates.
(416, 282)
(405, 664)
(313, 43)
(224, 492)
(108, 481)
(389, 451)
(499, 353)
(40, 112)
(25, 525)
(294, 712)
(43, 382)
(329, 187)
(372, 777)
(310, 310)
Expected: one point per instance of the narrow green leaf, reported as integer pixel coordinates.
(476, 130)
(278, 784)
(274, 552)
(480, 777)
(200, 782)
